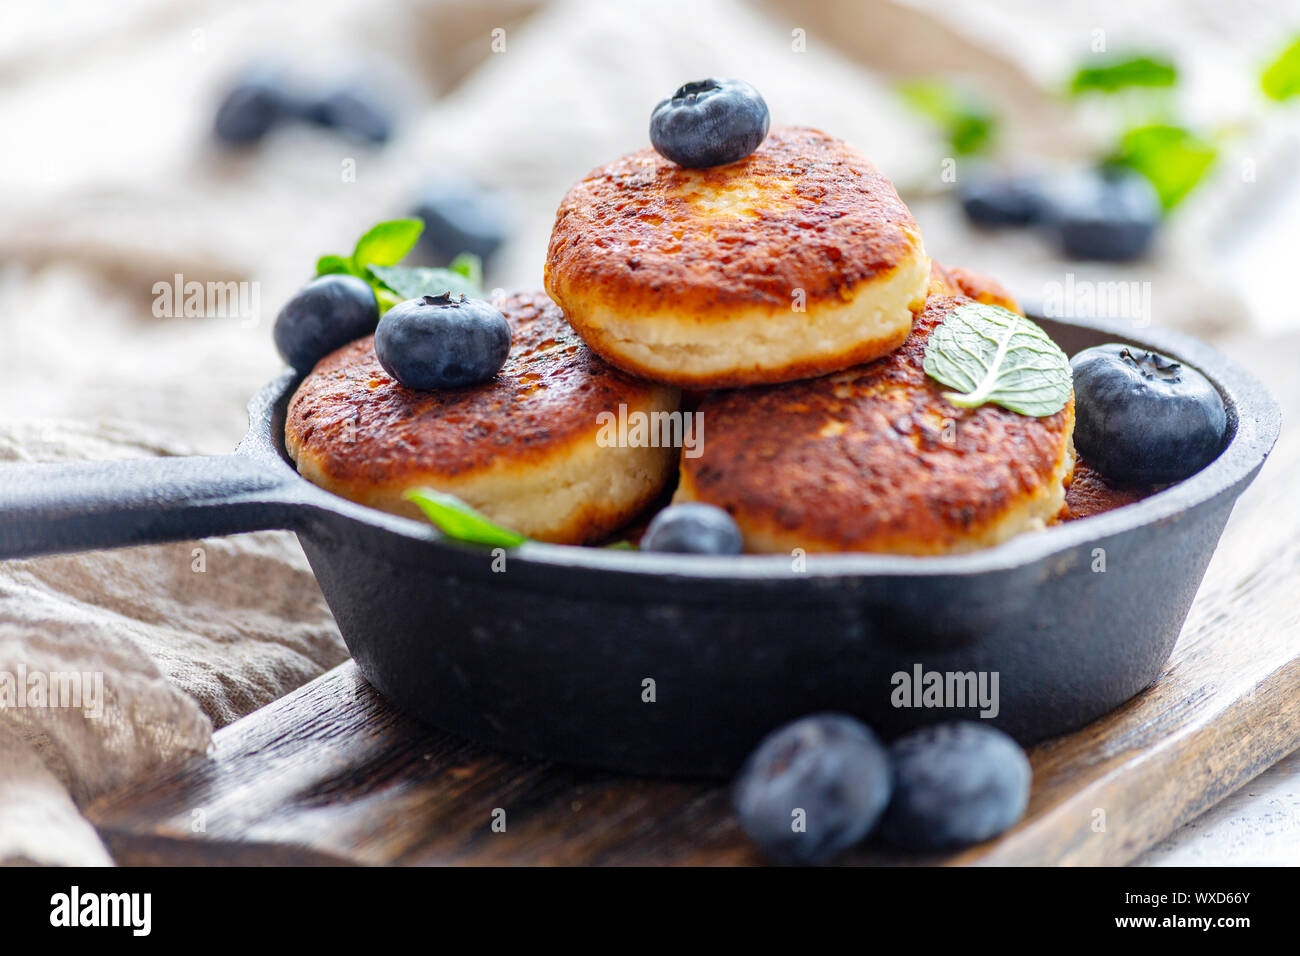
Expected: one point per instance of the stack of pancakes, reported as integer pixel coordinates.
(791, 295)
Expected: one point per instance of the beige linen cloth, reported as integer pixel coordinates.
(114, 186)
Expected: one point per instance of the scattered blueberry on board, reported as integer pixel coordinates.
(709, 123)
(1109, 214)
(693, 528)
(813, 788)
(249, 110)
(954, 785)
(1143, 418)
(461, 216)
(1001, 199)
(442, 341)
(325, 314)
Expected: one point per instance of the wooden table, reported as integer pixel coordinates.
(332, 774)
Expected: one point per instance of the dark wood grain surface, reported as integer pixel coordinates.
(331, 774)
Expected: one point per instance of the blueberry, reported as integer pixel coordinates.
(1142, 418)
(813, 788)
(1109, 214)
(709, 123)
(1001, 199)
(352, 112)
(461, 216)
(693, 528)
(954, 784)
(249, 110)
(442, 341)
(325, 314)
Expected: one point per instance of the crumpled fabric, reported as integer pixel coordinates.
(113, 661)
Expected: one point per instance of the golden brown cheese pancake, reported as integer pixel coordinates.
(525, 448)
(1088, 493)
(875, 459)
(798, 260)
(954, 280)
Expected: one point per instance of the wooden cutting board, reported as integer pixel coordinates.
(332, 774)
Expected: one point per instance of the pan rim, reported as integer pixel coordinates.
(1254, 419)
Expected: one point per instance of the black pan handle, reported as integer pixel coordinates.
(81, 506)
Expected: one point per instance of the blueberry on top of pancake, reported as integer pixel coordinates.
(797, 260)
(521, 448)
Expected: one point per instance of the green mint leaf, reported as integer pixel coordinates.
(331, 265)
(991, 354)
(1123, 73)
(385, 298)
(968, 123)
(621, 546)
(470, 266)
(386, 243)
(1172, 158)
(412, 282)
(458, 520)
(1281, 78)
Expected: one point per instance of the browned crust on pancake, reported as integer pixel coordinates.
(826, 220)
(362, 427)
(1090, 494)
(954, 280)
(858, 460)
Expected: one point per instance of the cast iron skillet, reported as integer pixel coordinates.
(551, 656)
